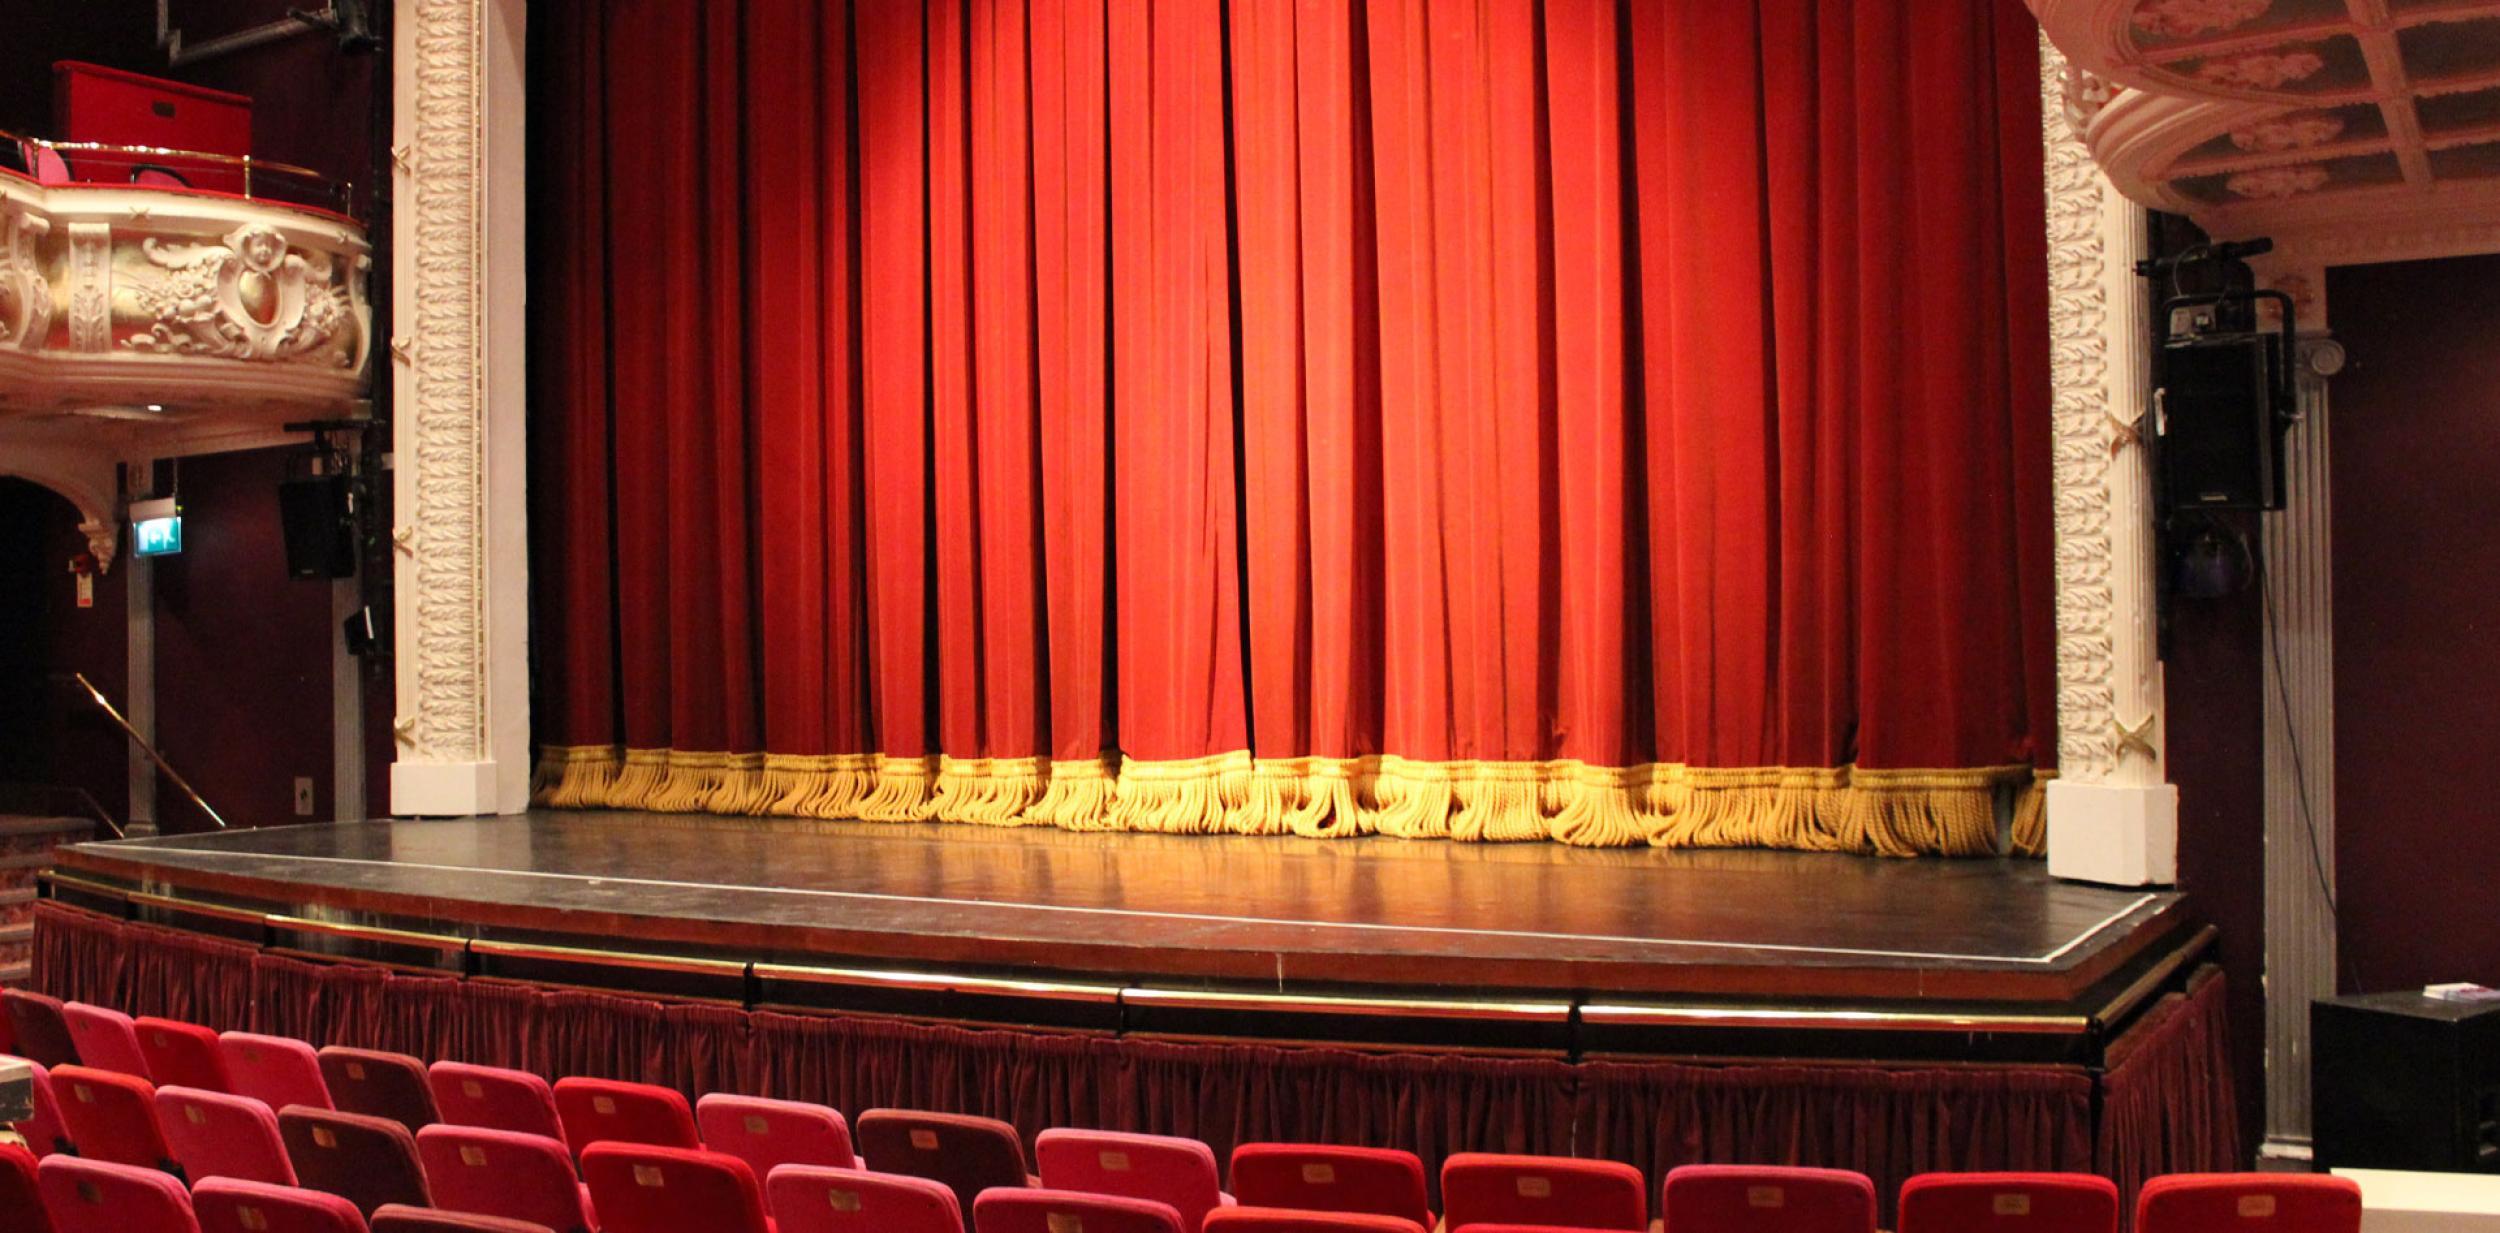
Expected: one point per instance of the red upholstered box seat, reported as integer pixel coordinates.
(92, 103)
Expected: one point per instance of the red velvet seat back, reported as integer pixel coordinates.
(1292, 1220)
(1763, 1199)
(231, 1205)
(40, 1028)
(98, 1196)
(181, 1054)
(606, 1111)
(211, 1134)
(110, 1116)
(379, 1084)
(502, 1173)
(1318, 1178)
(770, 1133)
(107, 1038)
(2008, 1203)
(21, 1198)
(1166, 1169)
(817, 1199)
(2248, 1203)
(1053, 1211)
(368, 1161)
(967, 1154)
(274, 1070)
(638, 1188)
(495, 1098)
(1479, 1188)
(398, 1219)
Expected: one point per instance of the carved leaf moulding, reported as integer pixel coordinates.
(2079, 368)
(442, 413)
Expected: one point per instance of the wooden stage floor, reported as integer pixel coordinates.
(1252, 913)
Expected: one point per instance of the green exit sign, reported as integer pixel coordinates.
(155, 527)
(158, 537)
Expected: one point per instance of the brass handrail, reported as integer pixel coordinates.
(115, 715)
(343, 190)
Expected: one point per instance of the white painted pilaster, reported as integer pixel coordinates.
(458, 430)
(2113, 815)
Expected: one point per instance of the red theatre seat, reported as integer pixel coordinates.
(107, 1039)
(1318, 1178)
(40, 1026)
(1176, 1171)
(274, 1070)
(369, 1161)
(2008, 1203)
(1289, 1220)
(182, 1054)
(495, 1098)
(812, 1199)
(504, 1173)
(770, 1133)
(1765, 1199)
(228, 1205)
(43, 1132)
(98, 1196)
(21, 1198)
(967, 1154)
(606, 1111)
(110, 1116)
(1480, 1188)
(211, 1134)
(642, 1189)
(1063, 1211)
(378, 1084)
(398, 1219)
(2248, 1203)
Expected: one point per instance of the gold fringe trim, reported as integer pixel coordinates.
(903, 790)
(2031, 815)
(1816, 809)
(816, 785)
(576, 776)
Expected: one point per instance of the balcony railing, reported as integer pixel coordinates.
(95, 164)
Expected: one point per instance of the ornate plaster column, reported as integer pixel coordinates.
(457, 379)
(2112, 816)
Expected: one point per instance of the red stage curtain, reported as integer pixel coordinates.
(1470, 418)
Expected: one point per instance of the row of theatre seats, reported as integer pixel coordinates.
(158, 1126)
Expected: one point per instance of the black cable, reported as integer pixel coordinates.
(2300, 770)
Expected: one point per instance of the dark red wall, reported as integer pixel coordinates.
(49, 735)
(242, 651)
(2415, 434)
(2216, 747)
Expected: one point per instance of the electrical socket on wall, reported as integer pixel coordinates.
(303, 796)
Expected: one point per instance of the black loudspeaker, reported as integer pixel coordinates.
(2401, 1081)
(320, 519)
(2221, 442)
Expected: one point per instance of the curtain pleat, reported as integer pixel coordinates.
(894, 368)
(1071, 273)
(2168, 1101)
(2163, 1098)
(1485, 419)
